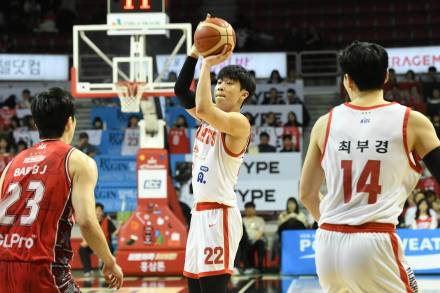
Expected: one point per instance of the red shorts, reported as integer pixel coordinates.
(35, 277)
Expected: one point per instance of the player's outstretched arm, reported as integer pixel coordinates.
(312, 174)
(84, 175)
(423, 139)
(183, 83)
(232, 123)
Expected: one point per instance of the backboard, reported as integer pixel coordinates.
(101, 58)
(125, 49)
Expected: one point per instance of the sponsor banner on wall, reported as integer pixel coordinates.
(422, 251)
(267, 179)
(268, 195)
(33, 67)
(267, 166)
(116, 170)
(418, 59)
(152, 183)
(251, 61)
(116, 199)
(281, 112)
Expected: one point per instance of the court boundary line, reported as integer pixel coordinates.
(245, 287)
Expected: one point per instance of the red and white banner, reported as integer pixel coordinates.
(418, 59)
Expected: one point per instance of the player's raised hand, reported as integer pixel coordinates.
(219, 58)
(113, 275)
(194, 52)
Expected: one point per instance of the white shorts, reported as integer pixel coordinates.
(365, 258)
(213, 239)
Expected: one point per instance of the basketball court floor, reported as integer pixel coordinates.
(238, 284)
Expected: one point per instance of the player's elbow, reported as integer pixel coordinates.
(84, 222)
(304, 199)
(305, 196)
(201, 110)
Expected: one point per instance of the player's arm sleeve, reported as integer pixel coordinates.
(183, 83)
(432, 162)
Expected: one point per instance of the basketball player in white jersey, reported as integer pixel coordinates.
(219, 147)
(367, 151)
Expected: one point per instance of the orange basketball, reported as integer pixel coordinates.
(212, 35)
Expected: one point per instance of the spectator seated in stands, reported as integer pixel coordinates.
(108, 228)
(26, 99)
(273, 98)
(275, 77)
(21, 146)
(264, 146)
(430, 81)
(392, 80)
(84, 145)
(98, 124)
(410, 214)
(288, 145)
(178, 138)
(425, 217)
(292, 98)
(270, 120)
(5, 146)
(291, 218)
(292, 120)
(255, 230)
(133, 122)
(433, 103)
(415, 100)
(10, 102)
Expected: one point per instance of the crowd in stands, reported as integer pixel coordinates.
(37, 16)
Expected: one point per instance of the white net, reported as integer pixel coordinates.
(130, 95)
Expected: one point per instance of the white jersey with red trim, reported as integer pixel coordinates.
(368, 169)
(215, 168)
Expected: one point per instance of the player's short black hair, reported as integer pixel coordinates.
(365, 63)
(249, 204)
(26, 91)
(51, 109)
(240, 74)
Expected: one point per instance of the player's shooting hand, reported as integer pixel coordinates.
(194, 52)
(113, 275)
(219, 58)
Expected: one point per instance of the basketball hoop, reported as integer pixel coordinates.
(130, 95)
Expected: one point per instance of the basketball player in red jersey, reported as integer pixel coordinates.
(219, 147)
(367, 150)
(41, 189)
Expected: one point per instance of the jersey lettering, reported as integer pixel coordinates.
(371, 171)
(15, 191)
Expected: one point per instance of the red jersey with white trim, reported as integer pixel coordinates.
(215, 168)
(368, 169)
(35, 206)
